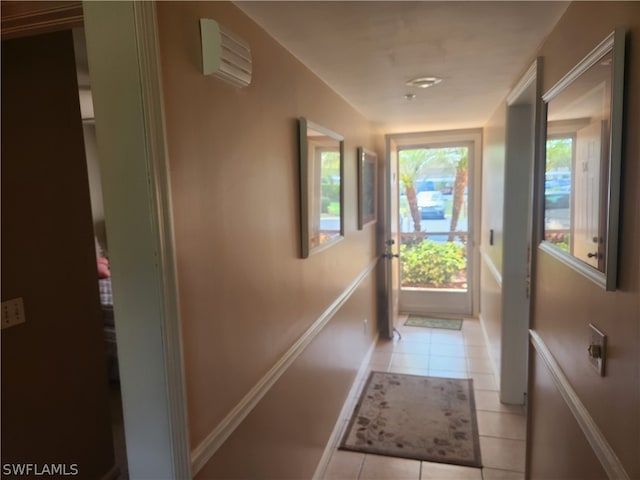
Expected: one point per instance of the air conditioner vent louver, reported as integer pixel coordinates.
(224, 54)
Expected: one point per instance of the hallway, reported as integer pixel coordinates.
(442, 353)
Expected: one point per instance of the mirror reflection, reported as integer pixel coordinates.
(322, 169)
(577, 164)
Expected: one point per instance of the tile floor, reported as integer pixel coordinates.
(441, 353)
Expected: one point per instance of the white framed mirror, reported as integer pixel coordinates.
(321, 187)
(583, 163)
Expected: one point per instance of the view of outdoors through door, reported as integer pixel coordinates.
(433, 216)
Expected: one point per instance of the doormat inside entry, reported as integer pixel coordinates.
(430, 322)
(411, 416)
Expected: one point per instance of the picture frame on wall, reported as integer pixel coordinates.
(321, 187)
(367, 187)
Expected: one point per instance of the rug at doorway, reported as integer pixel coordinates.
(416, 417)
(430, 322)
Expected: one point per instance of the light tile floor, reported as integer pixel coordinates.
(441, 353)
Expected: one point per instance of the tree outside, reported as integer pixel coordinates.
(412, 166)
(428, 263)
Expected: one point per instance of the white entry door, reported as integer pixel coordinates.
(436, 212)
(392, 240)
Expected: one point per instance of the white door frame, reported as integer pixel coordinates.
(391, 237)
(522, 131)
(474, 136)
(122, 48)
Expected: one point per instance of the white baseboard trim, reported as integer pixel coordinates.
(347, 406)
(606, 455)
(491, 266)
(494, 365)
(203, 452)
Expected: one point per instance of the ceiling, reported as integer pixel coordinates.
(367, 51)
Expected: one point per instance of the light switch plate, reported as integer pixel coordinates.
(12, 312)
(598, 339)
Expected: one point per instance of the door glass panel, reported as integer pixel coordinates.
(433, 215)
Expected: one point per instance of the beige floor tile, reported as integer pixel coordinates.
(503, 454)
(447, 350)
(503, 425)
(484, 381)
(493, 474)
(422, 347)
(474, 338)
(409, 371)
(450, 354)
(441, 471)
(447, 337)
(479, 365)
(410, 360)
(416, 336)
(344, 465)
(452, 364)
(389, 468)
(471, 324)
(447, 374)
(385, 345)
(490, 401)
(414, 345)
(417, 332)
(380, 360)
(476, 351)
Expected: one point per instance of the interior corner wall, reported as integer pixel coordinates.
(565, 302)
(246, 295)
(54, 376)
(493, 168)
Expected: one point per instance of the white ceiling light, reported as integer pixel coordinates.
(224, 54)
(424, 82)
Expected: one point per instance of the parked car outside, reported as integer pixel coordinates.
(431, 205)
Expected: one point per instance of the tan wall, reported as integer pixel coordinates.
(246, 295)
(493, 164)
(566, 302)
(553, 420)
(286, 434)
(54, 381)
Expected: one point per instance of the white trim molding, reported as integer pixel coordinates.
(162, 222)
(491, 266)
(605, 453)
(203, 452)
(572, 262)
(129, 115)
(527, 79)
(487, 340)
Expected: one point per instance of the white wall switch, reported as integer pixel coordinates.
(12, 312)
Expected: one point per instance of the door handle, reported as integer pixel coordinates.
(592, 255)
(390, 255)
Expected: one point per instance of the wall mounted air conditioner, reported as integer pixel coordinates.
(224, 54)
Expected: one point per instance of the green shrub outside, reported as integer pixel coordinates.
(431, 263)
